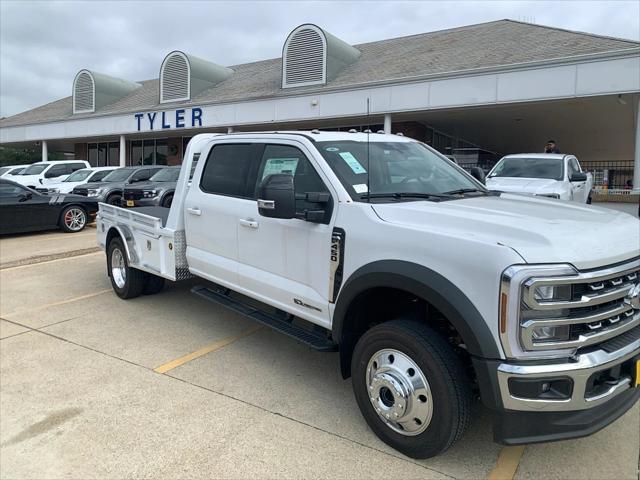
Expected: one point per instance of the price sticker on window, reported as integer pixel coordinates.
(353, 162)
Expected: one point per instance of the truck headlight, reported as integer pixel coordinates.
(149, 193)
(53, 190)
(551, 311)
(94, 193)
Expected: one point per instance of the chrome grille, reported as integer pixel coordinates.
(598, 308)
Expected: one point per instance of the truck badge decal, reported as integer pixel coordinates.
(337, 262)
(305, 305)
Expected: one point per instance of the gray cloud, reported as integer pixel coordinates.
(44, 44)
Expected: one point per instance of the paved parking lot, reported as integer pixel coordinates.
(172, 386)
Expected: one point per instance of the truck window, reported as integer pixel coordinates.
(230, 170)
(288, 159)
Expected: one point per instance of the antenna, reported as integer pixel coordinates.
(368, 131)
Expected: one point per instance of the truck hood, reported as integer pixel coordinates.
(523, 185)
(27, 179)
(151, 186)
(540, 230)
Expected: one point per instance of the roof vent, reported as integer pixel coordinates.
(92, 90)
(183, 76)
(312, 56)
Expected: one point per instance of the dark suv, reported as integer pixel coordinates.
(158, 191)
(109, 190)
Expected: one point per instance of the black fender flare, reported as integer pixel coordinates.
(424, 283)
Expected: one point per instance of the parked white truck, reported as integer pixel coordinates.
(551, 175)
(432, 288)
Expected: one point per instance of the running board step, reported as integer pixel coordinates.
(315, 340)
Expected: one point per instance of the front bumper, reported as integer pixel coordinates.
(602, 389)
(142, 202)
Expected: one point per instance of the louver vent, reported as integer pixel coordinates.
(83, 93)
(305, 57)
(174, 81)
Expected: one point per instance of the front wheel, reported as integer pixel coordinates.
(411, 388)
(73, 219)
(126, 281)
(115, 200)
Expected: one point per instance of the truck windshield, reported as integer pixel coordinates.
(78, 176)
(407, 170)
(523, 167)
(166, 175)
(119, 175)
(34, 170)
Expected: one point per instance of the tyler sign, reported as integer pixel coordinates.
(179, 118)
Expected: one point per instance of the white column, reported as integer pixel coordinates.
(636, 160)
(387, 123)
(229, 129)
(45, 152)
(123, 151)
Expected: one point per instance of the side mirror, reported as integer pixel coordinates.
(23, 197)
(478, 174)
(276, 196)
(578, 177)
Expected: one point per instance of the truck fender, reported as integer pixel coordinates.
(424, 283)
(127, 239)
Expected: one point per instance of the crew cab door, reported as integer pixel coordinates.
(214, 204)
(286, 262)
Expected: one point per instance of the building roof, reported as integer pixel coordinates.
(493, 44)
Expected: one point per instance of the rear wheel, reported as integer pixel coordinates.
(152, 284)
(73, 219)
(126, 281)
(411, 388)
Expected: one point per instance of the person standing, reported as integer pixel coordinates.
(551, 147)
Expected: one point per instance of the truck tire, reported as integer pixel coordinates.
(73, 219)
(167, 201)
(115, 199)
(126, 281)
(152, 284)
(411, 388)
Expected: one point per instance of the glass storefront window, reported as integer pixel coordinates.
(148, 152)
(93, 154)
(114, 154)
(136, 152)
(161, 152)
(102, 154)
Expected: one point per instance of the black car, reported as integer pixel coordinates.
(25, 210)
(109, 189)
(156, 192)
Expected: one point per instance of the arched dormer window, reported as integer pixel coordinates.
(175, 78)
(84, 93)
(312, 56)
(183, 76)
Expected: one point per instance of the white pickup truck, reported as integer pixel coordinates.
(432, 288)
(551, 175)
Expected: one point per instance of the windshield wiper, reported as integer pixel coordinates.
(399, 195)
(463, 190)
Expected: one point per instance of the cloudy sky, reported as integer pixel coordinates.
(43, 44)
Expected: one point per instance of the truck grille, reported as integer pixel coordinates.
(133, 194)
(80, 191)
(594, 307)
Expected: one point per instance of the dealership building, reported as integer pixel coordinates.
(475, 92)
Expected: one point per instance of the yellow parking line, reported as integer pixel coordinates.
(55, 304)
(204, 350)
(507, 463)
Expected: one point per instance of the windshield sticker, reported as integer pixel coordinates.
(353, 162)
(332, 149)
(360, 188)
(280, 165)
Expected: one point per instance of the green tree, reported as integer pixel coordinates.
(21, 156)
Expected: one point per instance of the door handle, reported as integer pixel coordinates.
(194, 211)
(248, 222)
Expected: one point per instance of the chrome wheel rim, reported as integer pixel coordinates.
(118, 268)
(74, 219)
(399, 392)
